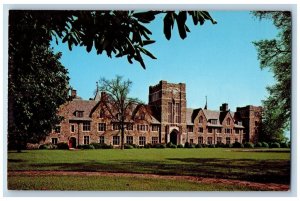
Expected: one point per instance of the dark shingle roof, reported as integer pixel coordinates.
(78, 105)
(189, 113)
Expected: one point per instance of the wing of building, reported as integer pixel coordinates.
(165, 119)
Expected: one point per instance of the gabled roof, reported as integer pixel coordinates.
(78, 105)
(189, 114)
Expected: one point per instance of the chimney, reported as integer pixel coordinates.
(224, 107)
(73, 93)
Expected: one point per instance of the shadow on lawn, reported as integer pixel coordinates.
(275, 171)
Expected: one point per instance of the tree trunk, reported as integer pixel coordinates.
(122, 135)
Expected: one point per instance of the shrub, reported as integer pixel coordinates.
(135, 145)
(85, 146)
(43, 146)
(259, 144)
(161, 146)
(211, 146)
(97, 145)
(249, 145)
(275, 145)
(148, 146)
(228, 145)
(222, 145)
(204, 145)
(48, 146)
(169, 144)
(62, 145)
(173, 146)
(30, 146)
(198, 146)
(179, 146)
(265, 145)
(186, 145)
(284, 145)
(237, 145)
(128, 146)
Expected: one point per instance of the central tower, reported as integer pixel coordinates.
(168, 102)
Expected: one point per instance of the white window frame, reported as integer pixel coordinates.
(86, 138)
(116, 139)
(100, 125)
(87, 126)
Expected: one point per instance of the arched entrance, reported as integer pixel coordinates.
(72, 142)
(174, 136)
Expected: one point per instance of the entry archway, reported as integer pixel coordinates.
(72, 142)
(174, 136)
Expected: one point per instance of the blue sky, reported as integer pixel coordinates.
(218, 61)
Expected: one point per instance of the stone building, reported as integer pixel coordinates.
(165, 119)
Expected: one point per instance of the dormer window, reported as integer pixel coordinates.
(214, 121)
(79, 113)
(142, 116)
(102, 113)
(201, 120)
(228, 121)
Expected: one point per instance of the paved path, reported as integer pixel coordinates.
(262, 186)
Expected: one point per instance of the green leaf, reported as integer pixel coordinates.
(181, 18)
(168, 24)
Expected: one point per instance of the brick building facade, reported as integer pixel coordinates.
(165, 119)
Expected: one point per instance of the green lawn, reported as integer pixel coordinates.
(264, 165)
(108, 183)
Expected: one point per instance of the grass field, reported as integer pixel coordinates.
(265, 165)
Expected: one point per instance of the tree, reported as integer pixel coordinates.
(276, 54)
(117, 102)
(35, 92)
(33, 67)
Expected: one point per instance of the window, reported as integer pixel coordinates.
(155, 127)
(200, 140)
(116, 127)
(101, 140)
(209, 140)
(190, 128)
(142, 127)
(79, 113)
(170, 119)
(201, 120)
(102, 127)
(219, 140)
(200, 130)
(116, 140)
(54, 140)
(218, 130)
(228, 121)
(214, 121)
(191, 141)
(256, 123)
(142, 140)
(86, 126)
(57, 129)
(102, 113)
(237, 131)
(129, 139)
(72, 128)
(227, 130)
(209, 130)
(177, 111)
(142, 116)
(86, 139)
(227, 140)
(154, 140)
(129, 127)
